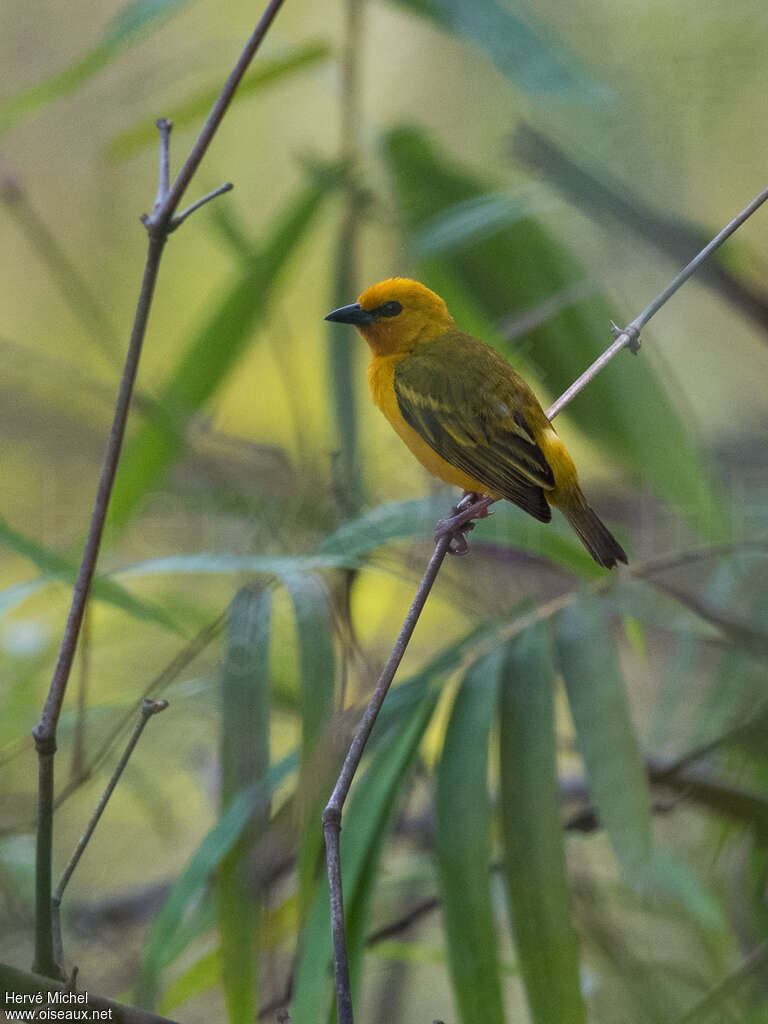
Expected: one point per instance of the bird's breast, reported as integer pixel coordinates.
(381, 380)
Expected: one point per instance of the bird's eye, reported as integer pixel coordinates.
(390, 309)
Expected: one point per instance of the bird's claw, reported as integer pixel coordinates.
(460, 523)
(458, 543)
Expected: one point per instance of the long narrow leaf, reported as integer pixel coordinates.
(507, 526)
(265, 74)
(244, 761)
(317, 666)
(212, 354)
(188, 886)
(519, 44)
(606, 736)
(55, 566)
(534, 855)
(365, 825)
(463, 846)
(130, 25)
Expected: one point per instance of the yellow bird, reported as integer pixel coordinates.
(464, 412)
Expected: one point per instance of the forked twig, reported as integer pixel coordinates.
(628, 337)
(158, 224)
(149, 708)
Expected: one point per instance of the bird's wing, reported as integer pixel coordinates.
(465, 401)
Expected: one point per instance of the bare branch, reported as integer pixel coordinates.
(158, 225)
(149, 708)
(179, 219)
(332, 812)
(630, 336)
(22, 982)
(450, 536)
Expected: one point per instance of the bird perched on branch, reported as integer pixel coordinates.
(464, 412)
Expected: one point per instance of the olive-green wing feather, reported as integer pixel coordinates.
(464, 400)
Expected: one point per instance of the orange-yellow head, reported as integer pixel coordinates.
(396, 315)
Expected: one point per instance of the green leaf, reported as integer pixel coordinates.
(130, 25)
(479, 218)
(463, 847)
(55, 566)
(226, 563)
(522, 270)
(507, 526)
(521, 46)
(534, 853)
(213, 353)
(606, 736)
(244, 762)
(392, 521)
(266, 73)
(18, 593)
(314, 632)
(188, 886)
(364, 827)
(201, 976)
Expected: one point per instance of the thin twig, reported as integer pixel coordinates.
(162, 680)
(219, 108)
(179, 219)
(332, 813)
(630, 335)
(463, 517)
(149, 708)
(164, 181)
(158, 225)
(24, 983)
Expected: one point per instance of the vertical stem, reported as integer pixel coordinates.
(45, 731)
(44, 962)
(343, 356)
(159, 224)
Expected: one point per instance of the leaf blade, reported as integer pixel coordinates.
(462, 819)
(244, 762)
(605, 733)
(534, 850)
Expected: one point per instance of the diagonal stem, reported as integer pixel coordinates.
(158, 224)
(149, 708)
(628, 337)
(332, 812)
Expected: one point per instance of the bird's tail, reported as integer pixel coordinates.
(594, 535)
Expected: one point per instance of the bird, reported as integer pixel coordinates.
(465, 413)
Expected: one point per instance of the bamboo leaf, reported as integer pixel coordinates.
(534, 853)
(130, 25)
(507, 526)
(203, 975)
(520, 45)
(212, 354)
(521, 271)
(226, 563)
(314, 632)
(191, 882)
(606, 736)
(266, 74)
(55, 566)
(463, 846)
(365, 825)
(244, 762)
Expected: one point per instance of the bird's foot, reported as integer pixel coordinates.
(461, 521)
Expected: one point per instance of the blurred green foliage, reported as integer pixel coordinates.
(561, 812)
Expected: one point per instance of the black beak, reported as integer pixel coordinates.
(352, 314)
